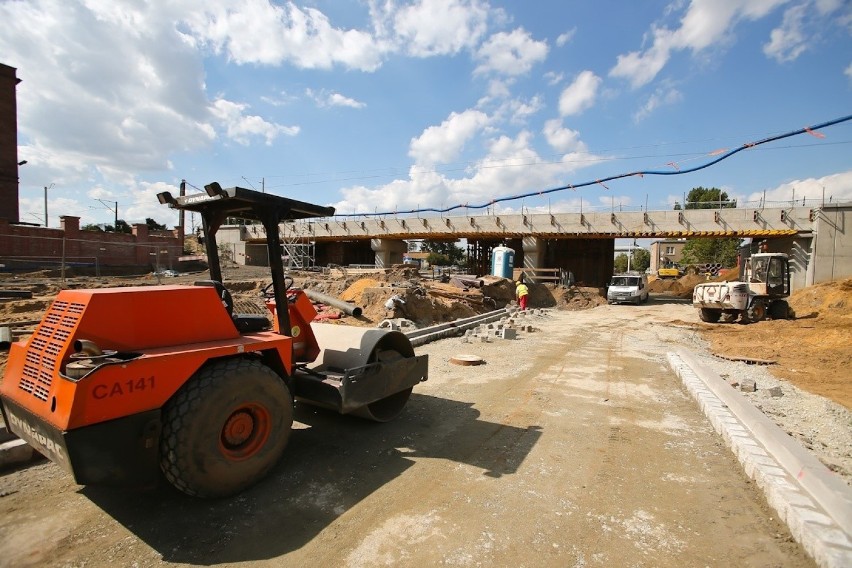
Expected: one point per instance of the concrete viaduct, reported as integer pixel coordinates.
(817, 238)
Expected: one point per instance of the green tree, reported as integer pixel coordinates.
(703, 250)
(436, 259)
(707, 198)
(92, 227)
(121, 226)
(638, 262)
(641, 260)
(154, 225)
(443, 253)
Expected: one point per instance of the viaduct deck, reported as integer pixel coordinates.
(765, 222)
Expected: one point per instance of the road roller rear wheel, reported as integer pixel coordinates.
(225, 428)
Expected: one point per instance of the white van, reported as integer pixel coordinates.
(627, 288)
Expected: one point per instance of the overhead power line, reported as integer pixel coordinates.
(720, 155)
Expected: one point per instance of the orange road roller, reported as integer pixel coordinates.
(122, 386)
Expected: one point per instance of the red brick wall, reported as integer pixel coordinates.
(26, 244)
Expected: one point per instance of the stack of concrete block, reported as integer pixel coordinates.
(503, 329)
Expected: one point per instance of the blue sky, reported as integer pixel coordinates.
(390, 105)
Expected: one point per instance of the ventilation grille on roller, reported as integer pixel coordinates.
(47, 343)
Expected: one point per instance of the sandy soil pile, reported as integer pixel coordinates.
(812, 351)
(682, 287)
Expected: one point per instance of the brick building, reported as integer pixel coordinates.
(666, 252)
(24, 246)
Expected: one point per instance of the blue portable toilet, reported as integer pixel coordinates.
(502, 262)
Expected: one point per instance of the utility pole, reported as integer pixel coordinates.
(113, 209)
(181, 218)
(45, 204)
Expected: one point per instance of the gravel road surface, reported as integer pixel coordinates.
(574, 445)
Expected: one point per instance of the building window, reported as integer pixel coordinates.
(669, 250)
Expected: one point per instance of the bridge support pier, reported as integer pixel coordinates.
(388, 251)
(534, 249)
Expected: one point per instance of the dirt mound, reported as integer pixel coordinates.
(682, 287)
(828, 300)
(661, 285)
(578, 297)
(354, 293)
(427, 302)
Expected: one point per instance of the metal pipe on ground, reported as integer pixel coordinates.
(465, 282)
(345, 307)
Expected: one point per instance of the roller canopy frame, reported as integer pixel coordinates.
(217, 204)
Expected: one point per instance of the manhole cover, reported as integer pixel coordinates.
(467, 360)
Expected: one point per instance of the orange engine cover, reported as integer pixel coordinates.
(162, 334)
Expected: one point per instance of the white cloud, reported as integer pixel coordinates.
(802, 27)
(512, 53)
(443, 143)
(439, 27)
(554, 78)
(662, 96)
(564, 38)
(848, 71)
(336, 99)
(240, 127)
(563, 139)
(89, 99)
(835, 187)
(141, 203)
(517, 111)
(579, 95)
(265, 33)
(641, 68)
(279, 99)
(788, 41)
(324, 98)
(511, 167)
(705, 24)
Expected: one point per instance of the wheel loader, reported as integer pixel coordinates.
(763, 284)
(125, 386)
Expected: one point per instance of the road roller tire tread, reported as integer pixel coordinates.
(225, 428)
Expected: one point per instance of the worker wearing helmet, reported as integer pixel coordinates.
(521, 291)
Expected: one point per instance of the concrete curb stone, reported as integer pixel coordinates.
(814, 503)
